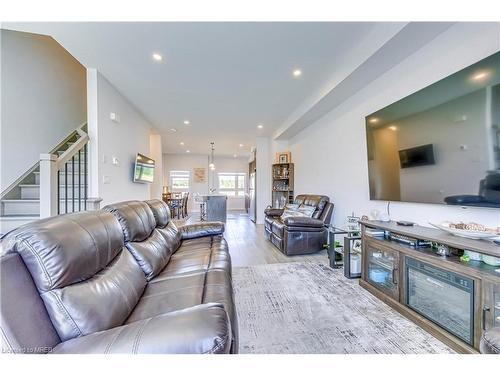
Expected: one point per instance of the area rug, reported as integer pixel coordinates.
(311, 308)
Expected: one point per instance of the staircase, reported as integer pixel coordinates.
(66, 166)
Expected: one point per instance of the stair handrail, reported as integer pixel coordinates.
(74, 148)
(50, 165)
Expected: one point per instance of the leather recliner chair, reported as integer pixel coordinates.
(119, 280)
(300, 235)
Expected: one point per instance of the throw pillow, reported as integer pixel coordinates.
(291, 209)
(306, 210)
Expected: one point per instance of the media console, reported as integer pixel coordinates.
(453, 300)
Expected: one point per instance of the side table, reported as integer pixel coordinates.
(349, 255)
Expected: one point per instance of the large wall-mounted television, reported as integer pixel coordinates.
(441, 144)
(144, 169)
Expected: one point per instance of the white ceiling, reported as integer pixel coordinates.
(225, 78)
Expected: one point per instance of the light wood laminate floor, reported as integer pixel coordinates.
(248, 246)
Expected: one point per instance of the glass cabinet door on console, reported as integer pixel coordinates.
(491, 304)
(382, 270)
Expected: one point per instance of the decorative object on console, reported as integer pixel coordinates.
(471, 230)
(405, 223)
(375, 214)
(283, 157)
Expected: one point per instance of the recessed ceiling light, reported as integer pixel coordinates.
(173, 130)
(182, 143)
(186, 122)
(479, 76)
(157, 56)
(297, 73)
(241, 145)
(235, 156)
(260, 126)
(393, 128)
(188, 151)
(373, 120)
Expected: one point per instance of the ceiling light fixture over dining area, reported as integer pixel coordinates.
(212, 163)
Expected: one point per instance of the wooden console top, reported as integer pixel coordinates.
(436, 235)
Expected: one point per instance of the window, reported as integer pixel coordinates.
(179, 180)
(232, 184)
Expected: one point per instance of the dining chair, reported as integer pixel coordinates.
(185, 205)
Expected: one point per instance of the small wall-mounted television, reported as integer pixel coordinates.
(144, 169)
(417, 156)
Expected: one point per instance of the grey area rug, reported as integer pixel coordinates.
(311, 308)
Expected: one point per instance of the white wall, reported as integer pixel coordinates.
(43, 100)
(330, 155)
(186, 162)
(263, 180)
(156, 153)
(122, 140)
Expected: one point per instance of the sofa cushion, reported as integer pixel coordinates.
(161, 212)
(172, 235)
(87, 281)
(152, 254)
(169, 294)
(65, 249)
(198, 330)
(180, 292)
(149, 247)
(136, 219)
(99, 303)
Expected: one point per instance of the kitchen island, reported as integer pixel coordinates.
(213, 207)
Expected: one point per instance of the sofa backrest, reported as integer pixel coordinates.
(147, 245)
(86, 280)
(317, 201)
(164, 224)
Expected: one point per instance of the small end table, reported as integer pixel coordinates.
(348, 251)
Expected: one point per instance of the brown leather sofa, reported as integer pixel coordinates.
(300, 235)
(120, 280)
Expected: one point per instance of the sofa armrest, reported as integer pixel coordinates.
(303, 221)
(207, 228)
(196, 330)
(273, 212)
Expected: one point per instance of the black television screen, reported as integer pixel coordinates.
(417, 156)
(144, 169)
(440, 144)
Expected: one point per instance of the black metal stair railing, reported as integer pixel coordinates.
(78, 191)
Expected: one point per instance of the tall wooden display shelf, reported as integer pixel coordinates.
(282, 175)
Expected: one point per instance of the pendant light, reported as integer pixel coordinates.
(212, 164)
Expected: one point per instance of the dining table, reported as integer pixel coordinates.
(174, 202)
